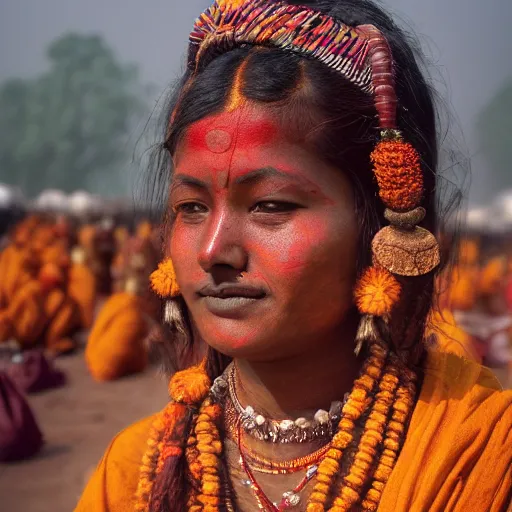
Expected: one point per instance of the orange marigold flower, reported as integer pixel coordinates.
(376, 292)
(397, 167)
(190, 386)
(163, 280)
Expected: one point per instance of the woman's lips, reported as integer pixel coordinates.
(231, 301)
(230, 307)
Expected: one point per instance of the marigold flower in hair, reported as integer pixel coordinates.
(376, 292)
(163, 280)
(190, 386)
(396, 165)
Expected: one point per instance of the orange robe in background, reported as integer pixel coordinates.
(82, 289)
(457, 455)
(449, 337)
(17, 267)
(24, 318)
(116, 344)
(63, 320)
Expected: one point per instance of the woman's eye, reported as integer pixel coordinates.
(190, 208)
(275, 207)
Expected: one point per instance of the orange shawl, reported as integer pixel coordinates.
(449, 337)
(457, 456)
(116, 344)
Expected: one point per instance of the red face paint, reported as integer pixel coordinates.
(250, 200)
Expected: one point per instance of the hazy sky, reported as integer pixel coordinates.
(469, 40)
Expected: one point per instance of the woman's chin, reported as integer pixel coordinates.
(239, 339)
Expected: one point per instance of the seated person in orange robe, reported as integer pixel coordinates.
(116, 344)
(61, 312)
(81, 287)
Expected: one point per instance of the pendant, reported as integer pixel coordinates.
(290, 499)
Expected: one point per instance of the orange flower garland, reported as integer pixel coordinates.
(372, 436)
(395, 392)
(149, 463)
(376, 292)
(393, 439)
(396, 165)
(352, 411)
(209, 448)
(164, 441)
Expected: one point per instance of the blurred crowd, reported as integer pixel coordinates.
(74, 277)
(473, 317)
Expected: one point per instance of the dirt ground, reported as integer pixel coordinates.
(78, 421)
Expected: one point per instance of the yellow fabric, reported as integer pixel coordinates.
(116, 344)
(458, 451)
(114, 483)
(82, 289)
(457, 456)
(449, 337)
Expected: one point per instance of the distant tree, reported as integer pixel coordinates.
(71, 123)
(494, 127)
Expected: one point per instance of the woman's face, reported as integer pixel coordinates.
(264, 237)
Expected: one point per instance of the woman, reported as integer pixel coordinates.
(274, 219)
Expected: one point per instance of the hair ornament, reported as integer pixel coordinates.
(376, 292)
(163, 280)
(190, 386)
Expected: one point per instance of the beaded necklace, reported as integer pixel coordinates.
(366, 444)
(261, 464)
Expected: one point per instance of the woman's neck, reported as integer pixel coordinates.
(303, 383)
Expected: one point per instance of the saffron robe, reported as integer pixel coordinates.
(457, 456)
(116, 344)
(82, 289)
(24, 318)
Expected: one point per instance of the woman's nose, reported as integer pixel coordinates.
(222, 244)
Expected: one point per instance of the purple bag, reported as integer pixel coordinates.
(20, 436)
(32, 372)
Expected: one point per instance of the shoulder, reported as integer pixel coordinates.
(461, 427)
(113, 485)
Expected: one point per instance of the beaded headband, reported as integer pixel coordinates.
(363, 57)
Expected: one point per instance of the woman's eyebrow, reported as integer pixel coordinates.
(260, 174)
(184, 179)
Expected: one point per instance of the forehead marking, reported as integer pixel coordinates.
(218, 141)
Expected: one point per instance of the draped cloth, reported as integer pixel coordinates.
(457, 456)
(116, 344)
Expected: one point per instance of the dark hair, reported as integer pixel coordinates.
(339, 122)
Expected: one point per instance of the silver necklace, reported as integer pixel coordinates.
(321, 427)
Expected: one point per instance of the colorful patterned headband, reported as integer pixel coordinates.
(363, 57)
(360, 54)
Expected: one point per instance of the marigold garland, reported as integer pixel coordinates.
(352, 411)
(359, 472)
(397, 167)
(376, 292)
(163, 280)
(203, 451)
(209, 449)
(403, 405)
(164, 432)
